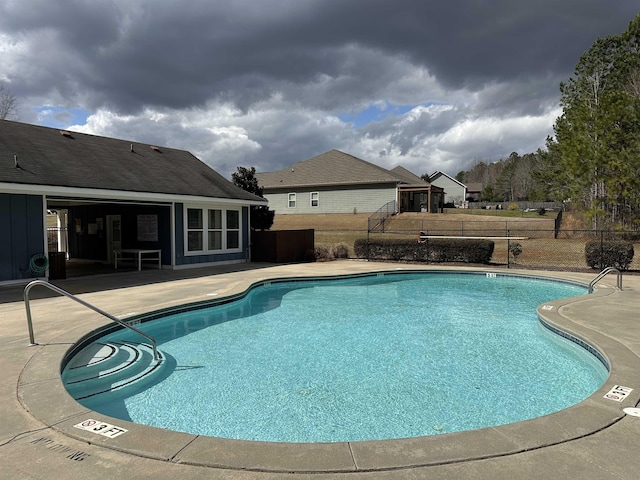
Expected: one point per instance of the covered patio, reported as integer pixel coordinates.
(420, 198)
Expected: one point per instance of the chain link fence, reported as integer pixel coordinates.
(519, 244)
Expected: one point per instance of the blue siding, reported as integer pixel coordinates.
(23, 234)
(179, 239)
(6, 266)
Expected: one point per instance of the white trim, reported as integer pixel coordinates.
(202, 229)
(441, 173)
(204, 209)
(94, 194)
(317, 199)
(295, 200)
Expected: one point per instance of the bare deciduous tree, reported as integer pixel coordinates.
(634, 83)
(8, 104)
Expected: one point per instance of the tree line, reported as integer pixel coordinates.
(508, 180)
(592, 161)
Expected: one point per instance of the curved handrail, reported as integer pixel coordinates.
(603, 274)
(50, 286)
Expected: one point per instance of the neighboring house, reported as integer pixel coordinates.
(455, 191)
(336, 182)
(113, 195)
(474, 192)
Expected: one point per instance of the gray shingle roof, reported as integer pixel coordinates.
(330, 168)
(78, 160)
(407, 176)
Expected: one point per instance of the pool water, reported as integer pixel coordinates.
(381, 357)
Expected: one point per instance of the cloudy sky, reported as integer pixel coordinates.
(426, 84)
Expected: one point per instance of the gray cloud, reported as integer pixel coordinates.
(261, 83)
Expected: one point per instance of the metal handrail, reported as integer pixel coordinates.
(603, 274)
(50, 286)
(378, 217)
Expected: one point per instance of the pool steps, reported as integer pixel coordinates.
(102, 368)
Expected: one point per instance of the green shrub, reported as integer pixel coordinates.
(433, 250)
(515, 249)
(341, 250)
(600, 255)
(323, 253)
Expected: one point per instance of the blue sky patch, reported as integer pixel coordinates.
(374, 113)
(60, 117)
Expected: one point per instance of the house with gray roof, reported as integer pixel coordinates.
(456, 192)
(114, 197)
(336, 182)
(407, 176)
(474, 191)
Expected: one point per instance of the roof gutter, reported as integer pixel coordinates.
(91, 193)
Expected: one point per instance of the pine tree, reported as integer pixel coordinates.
(596, 141)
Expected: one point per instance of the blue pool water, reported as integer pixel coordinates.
(381, 357)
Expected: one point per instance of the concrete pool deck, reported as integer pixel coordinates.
(593, 439)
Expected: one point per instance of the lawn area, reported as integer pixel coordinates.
(322, 222)
(539, 247)
(333, 229)
(499, 213)
(414, 221)
(330, 229)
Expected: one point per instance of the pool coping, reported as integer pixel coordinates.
(60, 411)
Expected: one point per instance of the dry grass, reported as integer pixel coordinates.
(346, 222)
(330, 229)
(408, 221)
(539, 249)
(335, 228)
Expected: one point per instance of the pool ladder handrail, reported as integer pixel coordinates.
(603, 274)
(59, 290)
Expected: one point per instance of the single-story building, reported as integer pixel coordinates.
(109, 198)
(336, 182)
(455, 191)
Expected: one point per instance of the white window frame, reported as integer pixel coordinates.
(227, 230)
(317, 199)
(198, 229)
(215, 228)
(206, 229)
(291, 198)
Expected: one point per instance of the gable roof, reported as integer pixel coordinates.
(407, 176)
(51, 157)
(330, 168)
(435, 175)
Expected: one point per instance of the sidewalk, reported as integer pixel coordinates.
(593, 439)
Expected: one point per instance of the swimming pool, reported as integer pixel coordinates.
(382, 356)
